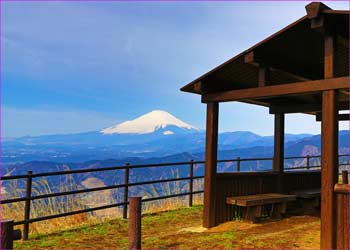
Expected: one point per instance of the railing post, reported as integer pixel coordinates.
(126, 191)
(238, 164)
(344, 177)
(308, 162)
(190, 201)
(135, 223)
(8, 234)
(27, 205)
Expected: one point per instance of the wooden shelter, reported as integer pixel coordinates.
(303, 68)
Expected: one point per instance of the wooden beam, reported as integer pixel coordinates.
(329, 149)
(278, 156)
(329, 163)
(304, 108)
(341, 117)
(279, 90)
(211, 147)
(314, 9)
(314, 12)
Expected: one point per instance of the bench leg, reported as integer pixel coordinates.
(253, 214)
(311, 205)
(278, 209)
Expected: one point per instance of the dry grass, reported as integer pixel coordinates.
(62, 204)
(181, 229)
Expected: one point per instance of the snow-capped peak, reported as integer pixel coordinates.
(148, 123)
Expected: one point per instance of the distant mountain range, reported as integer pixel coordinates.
(155, 135)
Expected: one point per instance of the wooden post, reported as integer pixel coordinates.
(278, 155)
(135, 223)
(27, 206)
(344, 177)
(329, 148)
(8, 235)
(210, 165)
(238, 164)
(329, 163)
(190, 198)
(126, 191)
(308, 162)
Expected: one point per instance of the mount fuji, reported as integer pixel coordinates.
(157, 121)
(154, 125)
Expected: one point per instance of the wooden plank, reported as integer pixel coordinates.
(329, 162)
(279, 90)
(260, 199)
(209, 212)
(341, 117)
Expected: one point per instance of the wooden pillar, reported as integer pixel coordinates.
(211, 146)
(135, 223)
(278, 154)
(329, 161)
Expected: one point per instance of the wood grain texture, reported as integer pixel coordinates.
(135, 223)
(329, 162)
(259, 199)
(209, 210)
(279, 90)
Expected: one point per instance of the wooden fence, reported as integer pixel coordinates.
(343, 214)
(234, 184)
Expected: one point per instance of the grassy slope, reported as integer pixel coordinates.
(163, 231)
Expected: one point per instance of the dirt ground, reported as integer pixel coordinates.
(181, 229)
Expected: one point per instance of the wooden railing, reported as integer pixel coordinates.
(29, 197)
(343, 214)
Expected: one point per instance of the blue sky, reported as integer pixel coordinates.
(72, 66)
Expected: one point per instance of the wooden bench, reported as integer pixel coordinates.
(254, 204)
(309, 199)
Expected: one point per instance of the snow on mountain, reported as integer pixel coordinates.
(149, 123)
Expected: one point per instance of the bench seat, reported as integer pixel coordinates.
(259, 199)
(254, 204)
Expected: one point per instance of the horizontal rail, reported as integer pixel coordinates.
(44, 174)
(54, 216)
(125, 185)
(43, 196)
